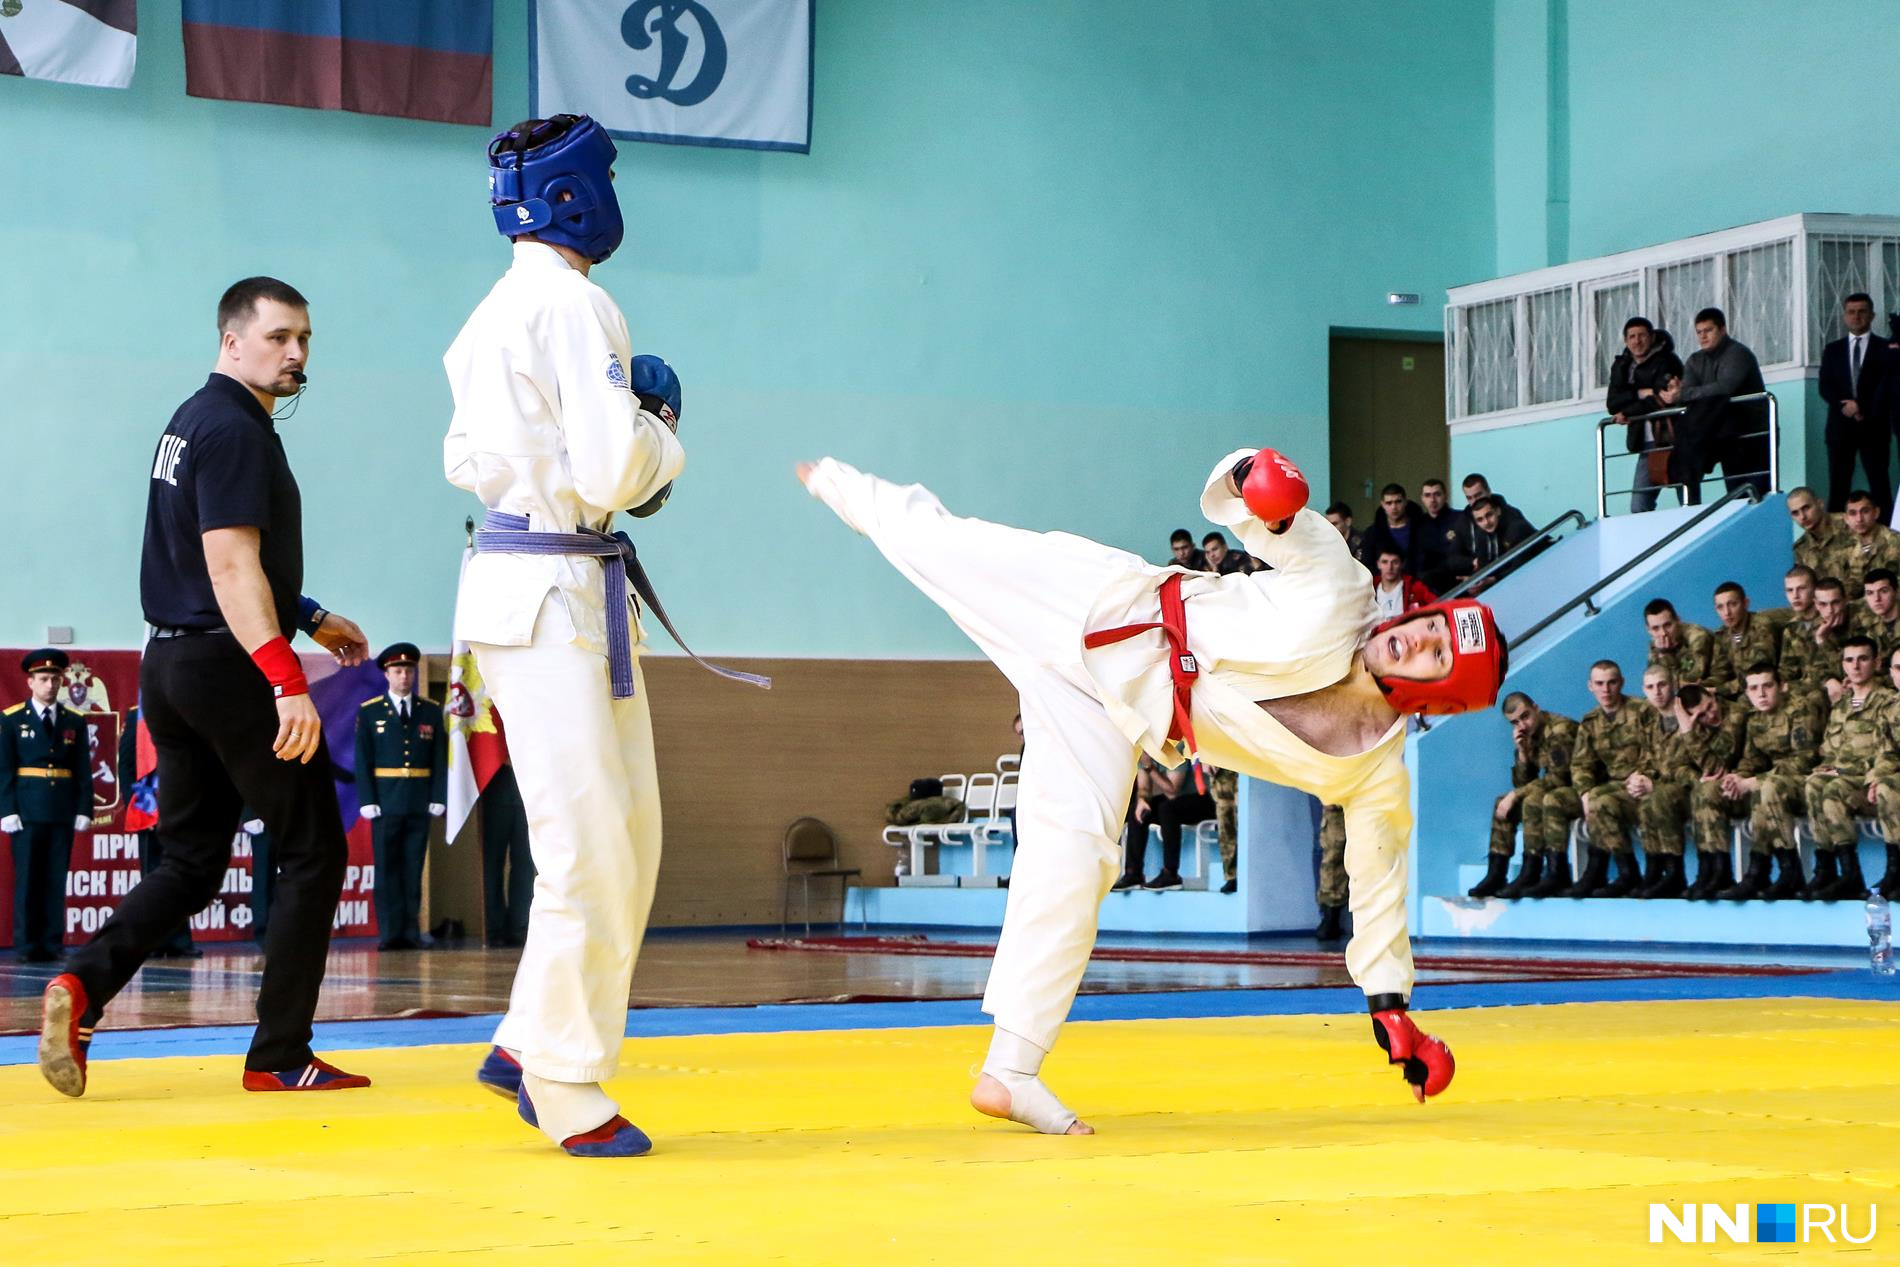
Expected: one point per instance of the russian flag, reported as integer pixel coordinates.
(416, 59)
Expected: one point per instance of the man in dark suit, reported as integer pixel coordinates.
(45, 796)
(1852, 370)
(402, 766)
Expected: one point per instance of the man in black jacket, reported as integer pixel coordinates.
(1716, 430)
(1638, 376)
(1492, 536)
(1447, 553)
(1398, 527)
(1852, 371)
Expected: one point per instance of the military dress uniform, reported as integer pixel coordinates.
(1694, 658)
(1779, 749)
(1860, 734)
(402, 764)
(1685, 762)
(45, 790)
(1610, 748)
(1546, 805)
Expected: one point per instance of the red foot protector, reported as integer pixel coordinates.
(1427, 1061)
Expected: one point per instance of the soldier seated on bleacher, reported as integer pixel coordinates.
(1811, 664)
(1878, 613)
(1541, 800)
(1858, 775)
(1797, 586)
(1702, 749)
(1615, 741)
(1746, 637)
(1781, 741)
(1687, 649)
(1867, 544)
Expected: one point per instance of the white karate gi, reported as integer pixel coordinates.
(1086, 712)
(546, 426)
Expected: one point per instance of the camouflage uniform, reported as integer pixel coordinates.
(1857, 557)
(1759, 640)
(1822, 553)
(1695, 658)
(1682, 761)
(1858, 738)
(1224, 787)
(1332, 856)
(1609, 750)
(1806, 665)
(1779, 748)
(1886, 634)
(1546, 803)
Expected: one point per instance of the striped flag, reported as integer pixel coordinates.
(416, 59)
(92, 42)
(477, 744)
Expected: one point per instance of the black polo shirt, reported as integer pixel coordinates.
(220, 464)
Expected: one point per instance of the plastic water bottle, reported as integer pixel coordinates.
(1879, 936)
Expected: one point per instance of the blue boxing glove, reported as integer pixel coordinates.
(658, 388)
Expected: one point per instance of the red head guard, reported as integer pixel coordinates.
(1479, 662)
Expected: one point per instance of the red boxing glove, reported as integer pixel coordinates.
(1272, 486)
(281, 668)
(1426, 1060)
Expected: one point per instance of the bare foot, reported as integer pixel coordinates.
(992, 1099)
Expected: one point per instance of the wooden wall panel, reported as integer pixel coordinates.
(836, 739)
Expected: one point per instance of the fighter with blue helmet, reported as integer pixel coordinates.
(557, 426)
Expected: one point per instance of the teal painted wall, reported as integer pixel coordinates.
(1050, 258)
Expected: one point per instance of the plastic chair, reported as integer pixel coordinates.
(811, 852)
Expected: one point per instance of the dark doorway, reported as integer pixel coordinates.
(1388, 419)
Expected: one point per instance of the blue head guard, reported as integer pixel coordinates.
(529, 170)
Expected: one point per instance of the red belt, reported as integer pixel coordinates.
(1181, 663)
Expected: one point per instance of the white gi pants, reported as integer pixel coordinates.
(585, 765)
(1024, 597)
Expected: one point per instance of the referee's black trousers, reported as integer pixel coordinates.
(212, 721)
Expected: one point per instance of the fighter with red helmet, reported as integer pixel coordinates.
(1285, 674)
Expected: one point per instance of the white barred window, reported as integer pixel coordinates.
(1611, 306)
(1491, 357)
(1761, 304)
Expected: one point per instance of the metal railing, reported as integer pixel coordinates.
(1604, 492)
(1586, 599)
(1516, 554)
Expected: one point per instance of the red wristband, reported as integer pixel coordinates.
(281, 668)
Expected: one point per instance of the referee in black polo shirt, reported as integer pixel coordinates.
(226, 702)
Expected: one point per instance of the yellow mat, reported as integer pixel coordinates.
(1270, 1140)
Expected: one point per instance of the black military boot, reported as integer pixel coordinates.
(1790, 882)
(1704, 873)
(1556, 876)
(1824, 876)
(1629, 877)
(1889, 885)
(1329, 929)
(1593, 872)
(1495, 871)
(1665, 878)
(1529, 873)
(1754, 882)
(1715, 868)
(1852, 886)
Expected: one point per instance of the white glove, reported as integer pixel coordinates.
(82, 822)
(253, 827)
(11, 824)
(372, 811)
(437, 811)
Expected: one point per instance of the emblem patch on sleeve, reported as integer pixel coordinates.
(617, 373)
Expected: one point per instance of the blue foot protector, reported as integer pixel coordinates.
(616, 1137)
(500, 1073)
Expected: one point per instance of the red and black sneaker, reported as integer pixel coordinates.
(63, 1040)
(318, 1075)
